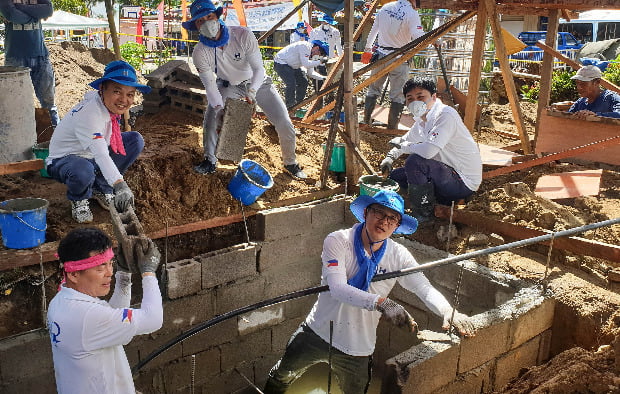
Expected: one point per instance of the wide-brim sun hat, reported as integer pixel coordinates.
(300, 25)
(588, 73)
(198, 9)
(321, 44)
(388, 199)
(328, 19)
(120, 71)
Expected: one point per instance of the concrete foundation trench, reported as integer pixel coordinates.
(514, 319)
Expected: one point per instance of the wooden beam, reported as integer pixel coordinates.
(576, 66)
(546, 71)
(577, 245)
(509, 82)
(275, 27)
(475, 69)
(594, 146)
(21, 166)
(331, 136)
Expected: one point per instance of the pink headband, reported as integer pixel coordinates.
(93, 261)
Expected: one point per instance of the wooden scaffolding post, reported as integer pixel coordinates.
(109, 8)
(475, 68)
(546, 71)
(350, 111)
(509, 82)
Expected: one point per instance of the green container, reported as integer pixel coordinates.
(338, 160)
(372, 184)
(300, 113)
(41, 151)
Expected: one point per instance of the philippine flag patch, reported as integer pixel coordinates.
(127, 314)
(97, 136)
(332, 263)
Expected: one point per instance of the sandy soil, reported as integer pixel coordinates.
(169, 193)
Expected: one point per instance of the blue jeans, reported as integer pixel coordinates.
(42, 76)
(295, 81)
(82, 175)
(417, 171)
(306, 349)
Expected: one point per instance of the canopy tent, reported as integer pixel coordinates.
(62, 20)
(329, 6)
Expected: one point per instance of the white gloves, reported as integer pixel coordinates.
(387, 165)
(461, 322)
(251, 96)
(396, 314)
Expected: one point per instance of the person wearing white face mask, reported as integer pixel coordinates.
(299, 34)
(230, 64)
(444, 163)
(328, 33)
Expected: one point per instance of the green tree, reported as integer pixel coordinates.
(79, 7)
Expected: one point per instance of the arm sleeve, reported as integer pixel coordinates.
(614, 104)
(105, 326)
(305, 61)
(425, 149)
(339, 43)
(122, 290)
(334, 271)
(256, 62)
(99, 149)
(207, 76)
(415, 26)
(42, 10)
(12, 14)
(419, 285)
(442, 130)
(374, 31)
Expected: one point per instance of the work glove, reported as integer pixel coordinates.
(396, 142)
(324, 60)
(251, 96)
(461, 322)
(366, 56)
(387, 165)
(121, 263)
(123, 196)
(147, 255)
(396, 314)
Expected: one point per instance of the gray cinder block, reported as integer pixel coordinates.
(184, 278)
(235, 126)
(226, 265)
(328, 215)
(278, 223)
(165, 73)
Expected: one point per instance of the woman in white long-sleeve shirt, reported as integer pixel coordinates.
(88, 333)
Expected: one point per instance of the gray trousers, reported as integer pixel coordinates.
(397, 77)
(272, 105)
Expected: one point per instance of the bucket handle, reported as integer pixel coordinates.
(29, 225)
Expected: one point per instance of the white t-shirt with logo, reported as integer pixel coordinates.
(330, 35)
(396, 24)
(88, 335)
(354, 317)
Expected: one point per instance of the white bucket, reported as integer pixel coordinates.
(17, 123)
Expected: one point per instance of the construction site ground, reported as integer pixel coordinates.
(169, 193)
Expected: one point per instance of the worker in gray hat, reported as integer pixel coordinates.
(594, 100)
(230, 64)
(25, 47)
(354, 303)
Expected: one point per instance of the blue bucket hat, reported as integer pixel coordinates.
(328, 19)
(321, 44)
(120, 71)
(300, 25)
(198, 9)
(389, 199)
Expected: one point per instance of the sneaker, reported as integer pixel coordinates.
(206, 167)
(104, 199)
(80, 211)
(295, 171)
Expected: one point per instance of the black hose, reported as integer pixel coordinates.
(390, 275)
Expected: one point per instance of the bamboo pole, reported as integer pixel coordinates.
(475, 68)
(546, 70)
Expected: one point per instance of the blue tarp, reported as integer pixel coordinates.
(329, 7)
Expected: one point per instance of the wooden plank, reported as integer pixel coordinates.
(475, 68)
(546, 70)
(509, 82)
(21, 166)
(577, 151)
(569, 184)
(380, 114)
(577, 245)
(494, 156)
(563, 132)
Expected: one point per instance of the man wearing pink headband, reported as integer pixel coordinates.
(88, 333)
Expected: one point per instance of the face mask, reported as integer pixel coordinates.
(300, 30)
(210, 28)
(315, 57)
(417, 108)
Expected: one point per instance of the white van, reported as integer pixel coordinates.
(592, 26)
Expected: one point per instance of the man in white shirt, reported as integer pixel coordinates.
(88, 152)
(299, 34)
(88, 333)
(396, 24)
(444, 162)
(230, 64)
(354, 303)
(326, 32)
(290, 62)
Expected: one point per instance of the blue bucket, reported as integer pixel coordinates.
(23, 222)
(249, 182)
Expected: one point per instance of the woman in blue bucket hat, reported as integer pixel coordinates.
(354, 303)
(230, 64)
(88, 152)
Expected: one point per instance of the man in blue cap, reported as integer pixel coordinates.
(327, 32)
(230, 64)
(354, 303)
(25, 47)
(88, 152)
(290, 62)
(299, 34)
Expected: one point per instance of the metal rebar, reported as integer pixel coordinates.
(329, 357)
(548, 264)
(193, 374)
(245, 223)
(395, 274)
(43, 297)
(255, 387)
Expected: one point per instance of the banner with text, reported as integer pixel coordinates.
(264, 18)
